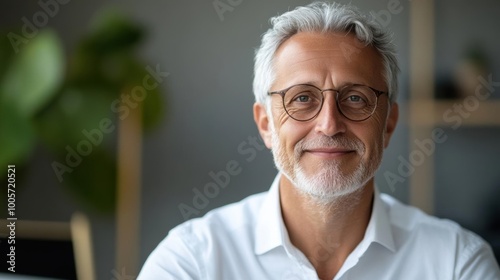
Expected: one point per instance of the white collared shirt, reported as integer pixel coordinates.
(248, 240)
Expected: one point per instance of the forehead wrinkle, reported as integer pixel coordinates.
(310, 54)
(315, 57)
(321, 58)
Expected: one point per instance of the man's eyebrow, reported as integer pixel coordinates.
(314, 83)
(290, 84)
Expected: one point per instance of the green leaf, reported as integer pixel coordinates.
(112, 32)
(17, 136)
(6, 54)
(75, 110)
(35, 74)
(153, 109)
(153, 102)
(93, 181)
(72, 126)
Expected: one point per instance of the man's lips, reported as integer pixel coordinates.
(329, 152)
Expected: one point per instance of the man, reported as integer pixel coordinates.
(325, 86)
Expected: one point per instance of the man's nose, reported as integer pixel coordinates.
(329, 120)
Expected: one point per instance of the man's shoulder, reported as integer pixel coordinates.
(415, 223)
(200, 246)
(439, 243)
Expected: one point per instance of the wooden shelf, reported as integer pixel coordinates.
(451, 113)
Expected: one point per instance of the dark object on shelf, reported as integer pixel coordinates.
(446, 89)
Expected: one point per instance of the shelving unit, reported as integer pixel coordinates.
(439, 113)
(421, 86)
(427, 113)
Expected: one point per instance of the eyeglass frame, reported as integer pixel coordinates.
(282, 93)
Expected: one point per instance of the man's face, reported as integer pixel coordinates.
(330, 155)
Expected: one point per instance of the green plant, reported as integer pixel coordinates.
(47, 98)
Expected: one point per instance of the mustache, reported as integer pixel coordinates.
(338, 141)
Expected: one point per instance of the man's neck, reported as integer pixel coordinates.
(326, 234)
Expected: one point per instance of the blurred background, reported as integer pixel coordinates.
(195, 59)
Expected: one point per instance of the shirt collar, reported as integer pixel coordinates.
(379, 228)
(270, 231)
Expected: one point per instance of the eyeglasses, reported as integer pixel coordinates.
(303, 102)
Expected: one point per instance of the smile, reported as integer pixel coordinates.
(329, 152)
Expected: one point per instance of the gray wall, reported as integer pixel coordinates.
(210, 99)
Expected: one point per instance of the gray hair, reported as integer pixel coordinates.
(322, 17)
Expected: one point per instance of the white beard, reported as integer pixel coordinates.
(330, 180)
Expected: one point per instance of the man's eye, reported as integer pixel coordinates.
(354, 98)
(302, 98)
(354, 101)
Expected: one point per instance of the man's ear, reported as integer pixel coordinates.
(390, 125)
(262, 121)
